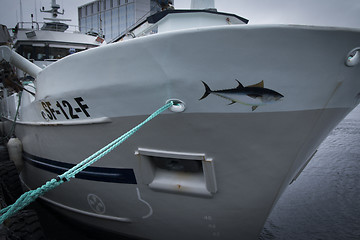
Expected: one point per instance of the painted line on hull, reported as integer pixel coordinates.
(101, 174)
(146, 203)
(81, 212)
(67, 123)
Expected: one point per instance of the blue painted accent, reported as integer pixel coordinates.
(101, 174)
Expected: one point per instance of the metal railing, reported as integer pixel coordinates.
(36, 26)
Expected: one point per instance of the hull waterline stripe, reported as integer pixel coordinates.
(101, 174)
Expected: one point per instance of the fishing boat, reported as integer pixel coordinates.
(253, 104)
(46, 42)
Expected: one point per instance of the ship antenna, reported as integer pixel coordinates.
(54, 9)
(55, 24)
(21, 14)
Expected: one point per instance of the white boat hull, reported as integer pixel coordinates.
(254, 154)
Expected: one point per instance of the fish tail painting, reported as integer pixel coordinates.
(207, 91)
(252, 95)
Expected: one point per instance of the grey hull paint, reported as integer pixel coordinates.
(252, 169)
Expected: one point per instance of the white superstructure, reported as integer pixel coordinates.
(45, 43)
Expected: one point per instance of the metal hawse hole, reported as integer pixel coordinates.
(179, 106)
(353, 57)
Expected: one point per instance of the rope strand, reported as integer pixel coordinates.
(31, 195)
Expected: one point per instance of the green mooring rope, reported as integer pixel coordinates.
(31, 195)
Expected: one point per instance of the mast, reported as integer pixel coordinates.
(21, 14)
(54, 9)
(55, 25)
(202, 4)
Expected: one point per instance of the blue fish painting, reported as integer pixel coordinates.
(253, 95)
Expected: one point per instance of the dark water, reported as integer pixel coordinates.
(323, 203)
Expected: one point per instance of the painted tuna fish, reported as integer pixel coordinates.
(253, 95)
